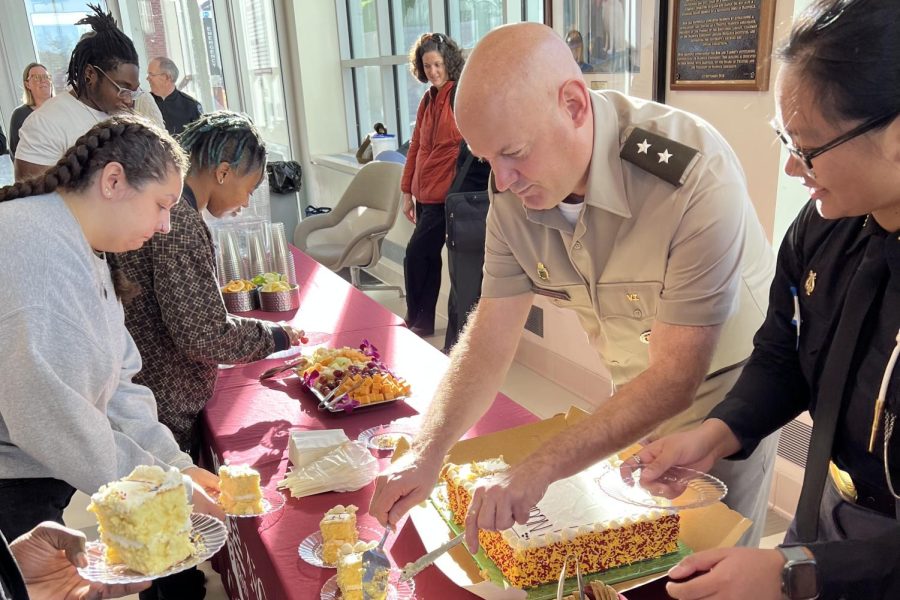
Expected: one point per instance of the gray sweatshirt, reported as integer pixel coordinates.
(68, 407)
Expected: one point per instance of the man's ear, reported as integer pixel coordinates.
(575, 98)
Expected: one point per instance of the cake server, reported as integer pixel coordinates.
(413, 568)
(376, 568)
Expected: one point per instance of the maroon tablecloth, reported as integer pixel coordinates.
(248, 421)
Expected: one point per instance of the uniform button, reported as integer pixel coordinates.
(577, 245)
(637, 313)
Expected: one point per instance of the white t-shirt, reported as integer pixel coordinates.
(146, 107)
(571, 212)
(52, 129)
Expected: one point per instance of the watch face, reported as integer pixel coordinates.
(801, 581)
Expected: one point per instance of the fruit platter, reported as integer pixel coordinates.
(345, 379)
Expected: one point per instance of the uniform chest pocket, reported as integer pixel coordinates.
(636, 301)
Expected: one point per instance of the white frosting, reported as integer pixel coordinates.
(235, 471)
(572, 506)
(144, 483)
(245, 497)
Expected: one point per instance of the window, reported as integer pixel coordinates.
(471, 19)
(376, 36)
(184, 31)
(55, 33)
(259, 69)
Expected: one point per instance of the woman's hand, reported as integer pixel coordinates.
(297, 336)
(728, 573)
(696, 449)
(409, 208)
(47, 556)
(205, 483)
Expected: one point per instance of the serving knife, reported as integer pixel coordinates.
(414, 568)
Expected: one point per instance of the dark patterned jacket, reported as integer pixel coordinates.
(179, 321)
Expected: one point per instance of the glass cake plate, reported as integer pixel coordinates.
(383, 438)
(311, 547)
(678, 488)
(313, 338)
(273, 501)
(397, 590)
(208, 535)
(547, 591)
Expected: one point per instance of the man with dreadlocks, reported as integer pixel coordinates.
(103, 78)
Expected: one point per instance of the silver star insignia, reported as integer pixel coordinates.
(643, 147)
(664, 156)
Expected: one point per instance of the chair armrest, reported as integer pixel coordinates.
(310, 224)
(372, 233)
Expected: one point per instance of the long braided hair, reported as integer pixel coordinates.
(146, 153)
(223, 136)
(106, 47)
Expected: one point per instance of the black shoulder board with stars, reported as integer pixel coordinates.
(665, 158)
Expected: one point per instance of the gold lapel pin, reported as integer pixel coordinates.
(810, 284)
(542, 272)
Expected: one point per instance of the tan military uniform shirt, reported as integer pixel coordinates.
(675, 240)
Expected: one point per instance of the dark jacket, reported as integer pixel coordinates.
(822, 260)
(15, 124)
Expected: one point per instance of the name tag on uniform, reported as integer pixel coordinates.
(556, 294)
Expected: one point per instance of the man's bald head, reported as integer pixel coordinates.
(522, 104)
(520, 61)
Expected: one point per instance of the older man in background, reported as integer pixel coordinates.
(177, 108)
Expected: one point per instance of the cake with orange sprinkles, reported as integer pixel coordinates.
(573, 518)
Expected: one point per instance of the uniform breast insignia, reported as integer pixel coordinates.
(632, 297)
(542, 272)
(810, 284)
(660, 156)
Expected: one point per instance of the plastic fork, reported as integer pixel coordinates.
(376, 569)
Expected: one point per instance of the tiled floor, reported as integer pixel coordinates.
(534, 392)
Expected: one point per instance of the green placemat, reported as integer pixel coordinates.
(548, 590)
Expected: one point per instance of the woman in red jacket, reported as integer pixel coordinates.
(429, 171)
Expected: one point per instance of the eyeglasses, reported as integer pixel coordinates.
(39, 78)
(438, 38)
(806, 156)
(123, 93)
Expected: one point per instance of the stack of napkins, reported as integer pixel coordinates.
(347, 468)
(306, 447)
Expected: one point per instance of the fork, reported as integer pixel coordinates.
(376, 568)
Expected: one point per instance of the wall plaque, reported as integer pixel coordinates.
(722, 44)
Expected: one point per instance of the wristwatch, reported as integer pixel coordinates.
(798, 576)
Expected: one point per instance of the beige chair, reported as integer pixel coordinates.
(350, 236)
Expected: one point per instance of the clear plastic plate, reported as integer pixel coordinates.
(313, 338)
(397, 590)
(273, 501)
(311, 547)
(384, 438)
(678, 488)
(208, 535)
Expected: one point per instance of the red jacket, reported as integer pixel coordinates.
(431, 160)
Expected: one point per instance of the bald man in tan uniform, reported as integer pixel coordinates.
(636, 216)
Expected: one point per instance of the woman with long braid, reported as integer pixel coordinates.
(70, 415)
(103, 78)
(178, 319)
